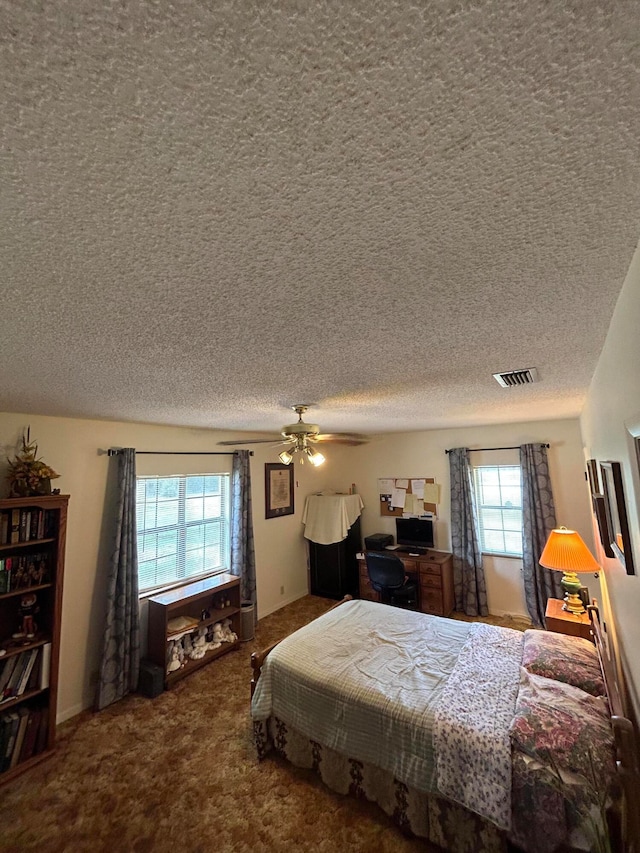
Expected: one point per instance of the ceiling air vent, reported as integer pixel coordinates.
(516, 377)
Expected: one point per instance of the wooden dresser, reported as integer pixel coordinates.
(433, 570)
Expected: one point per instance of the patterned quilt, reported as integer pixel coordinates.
(422, 697)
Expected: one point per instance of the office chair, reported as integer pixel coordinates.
(389, 579)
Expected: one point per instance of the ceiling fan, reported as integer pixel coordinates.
(301, 437)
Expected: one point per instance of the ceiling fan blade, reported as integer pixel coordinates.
(253, 441)
(352, 438)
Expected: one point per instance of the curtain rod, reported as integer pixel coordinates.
(479, 449)
(113, 451)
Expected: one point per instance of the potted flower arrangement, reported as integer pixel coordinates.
(28, 475)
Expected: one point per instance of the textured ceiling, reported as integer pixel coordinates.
(212, 211)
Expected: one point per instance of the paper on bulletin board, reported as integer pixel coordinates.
(386, 486)
(398, 497)
(402, 484)
(432, 493)
(413, 505)
(417, 488)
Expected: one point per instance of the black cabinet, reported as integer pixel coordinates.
(334, 568)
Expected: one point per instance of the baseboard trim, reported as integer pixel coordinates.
(65, 715)
(281, 604)
(510, 615)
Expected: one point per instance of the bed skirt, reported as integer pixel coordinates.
(441, 822)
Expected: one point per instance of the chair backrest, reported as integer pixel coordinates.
(385, 570)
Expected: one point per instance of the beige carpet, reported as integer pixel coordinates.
(178, 773)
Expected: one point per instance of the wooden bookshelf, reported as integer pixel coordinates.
(32, 565)
(192, 600)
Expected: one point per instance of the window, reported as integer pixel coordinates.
(183, 528)
(499, 501)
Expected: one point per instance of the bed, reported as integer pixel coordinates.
(472, 736)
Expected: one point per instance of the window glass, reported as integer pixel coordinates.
(183, 528)
(499, 501)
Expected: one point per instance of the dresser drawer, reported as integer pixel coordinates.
(430, 569)
(431, 601)
(431, 581)
(410, 565)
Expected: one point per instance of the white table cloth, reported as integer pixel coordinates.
(327, 518)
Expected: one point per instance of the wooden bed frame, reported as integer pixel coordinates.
(258, 658)
(624, 729)
(626, 739)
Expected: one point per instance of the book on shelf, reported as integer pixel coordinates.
(6, 673)
(5, 730)
(17, 673)
(45, 666)
(15, 526)
(12, 723)
(42, 738)
(31, 734)
(25, 525)
(24, 678)
(33, 682)
(23, 715)
(14, 679)
(5, 575)
(27, 570)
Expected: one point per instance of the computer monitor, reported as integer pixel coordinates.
(414, 532)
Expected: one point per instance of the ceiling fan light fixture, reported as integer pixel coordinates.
(285, 457)
(315, 457)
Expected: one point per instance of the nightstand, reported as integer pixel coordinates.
(563, 622)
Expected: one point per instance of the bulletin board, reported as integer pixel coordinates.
(385, 498)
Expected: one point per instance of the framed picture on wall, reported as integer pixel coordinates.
(594, 479)
(619, 537)
(278, 486)
(600, 511)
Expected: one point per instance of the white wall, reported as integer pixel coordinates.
(422, 454)
(612, 403)
(72, 448)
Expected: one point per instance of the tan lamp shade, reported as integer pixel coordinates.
(566, 552)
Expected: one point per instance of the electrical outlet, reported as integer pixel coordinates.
(281, 590)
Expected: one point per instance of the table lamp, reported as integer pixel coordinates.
(566, 552)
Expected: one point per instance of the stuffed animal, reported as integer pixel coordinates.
(218, 635)
(187, 645)
(198, 647)
(180, 652)
(229, 635)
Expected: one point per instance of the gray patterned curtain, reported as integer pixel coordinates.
(468, 575)
(121, 648)
(538, 520)
(243, 558)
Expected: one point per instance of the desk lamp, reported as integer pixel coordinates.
(566, 552)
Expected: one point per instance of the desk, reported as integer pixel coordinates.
(434, 570)
(563, 622)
